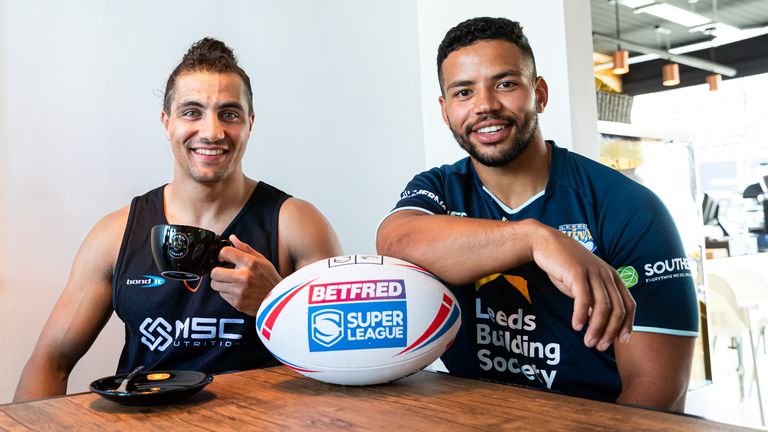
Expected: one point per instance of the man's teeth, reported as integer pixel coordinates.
(490, 129)
(209, 152)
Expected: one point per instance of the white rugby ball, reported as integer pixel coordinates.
(358, 319)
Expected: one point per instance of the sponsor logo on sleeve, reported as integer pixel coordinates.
(667, 269)
(417, 193)
(628, 275)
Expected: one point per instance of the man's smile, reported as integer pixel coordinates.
(491, 131)
(208, 152)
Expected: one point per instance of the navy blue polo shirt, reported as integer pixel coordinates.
(516, 325)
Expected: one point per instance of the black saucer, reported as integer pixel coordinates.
(152, 387)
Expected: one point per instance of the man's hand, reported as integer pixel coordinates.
(600, 298)
(246, 285)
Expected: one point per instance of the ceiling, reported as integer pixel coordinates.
(740, 38)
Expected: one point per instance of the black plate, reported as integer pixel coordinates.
(152, 387)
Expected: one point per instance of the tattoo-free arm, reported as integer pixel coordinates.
(305, 236)
(80, 313)
(654, 370)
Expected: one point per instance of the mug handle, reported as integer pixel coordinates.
(216, 263)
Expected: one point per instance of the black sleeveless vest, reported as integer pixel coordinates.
(173, 325)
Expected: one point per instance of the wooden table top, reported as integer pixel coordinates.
(277, 398)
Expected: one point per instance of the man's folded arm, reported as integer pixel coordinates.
(460, 250)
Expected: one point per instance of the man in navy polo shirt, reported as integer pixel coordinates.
(530, 237)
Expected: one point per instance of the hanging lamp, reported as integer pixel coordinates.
(714, 78)
(714, 81)
(670, 72)
(620, 56)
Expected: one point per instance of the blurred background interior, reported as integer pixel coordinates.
(681, 89)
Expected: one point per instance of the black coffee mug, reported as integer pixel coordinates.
(185, 252)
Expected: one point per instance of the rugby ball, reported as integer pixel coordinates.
(358, 319)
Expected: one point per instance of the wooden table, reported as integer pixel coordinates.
(278, 399)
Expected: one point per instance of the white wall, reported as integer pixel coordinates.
(582, 103)
(560, 34)
(338, 104)
(9, 350)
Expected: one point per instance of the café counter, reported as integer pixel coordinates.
(279, 399)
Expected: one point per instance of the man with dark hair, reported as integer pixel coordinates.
(477, 29)
(528, 235)
(208, 325)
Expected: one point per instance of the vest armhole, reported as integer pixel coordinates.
(120, 256)
(275, 226)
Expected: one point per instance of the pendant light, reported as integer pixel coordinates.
(713, 79)
(670, 72)
(620, 56)
(620, 62)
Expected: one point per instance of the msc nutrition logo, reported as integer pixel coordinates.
(159, 334)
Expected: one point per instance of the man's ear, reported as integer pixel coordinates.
(164, 119)
(441, 99)
(542, 94)
(250, 121)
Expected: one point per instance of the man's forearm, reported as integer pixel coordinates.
(653, 395)
(39, 380)
(458, 250)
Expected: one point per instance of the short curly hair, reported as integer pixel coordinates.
(479, 29)
(207, 55)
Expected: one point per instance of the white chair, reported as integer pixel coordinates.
(751, 291)
(730, 320)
